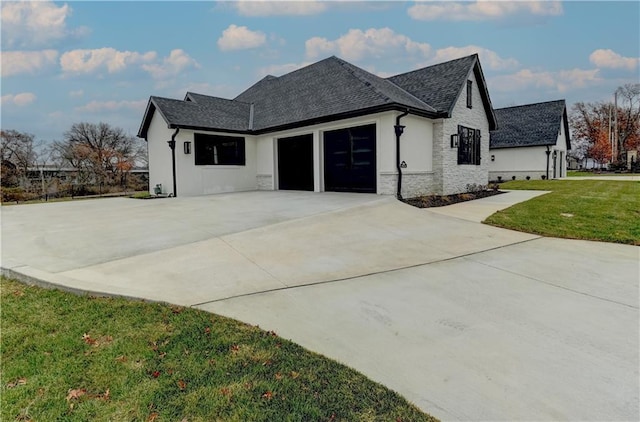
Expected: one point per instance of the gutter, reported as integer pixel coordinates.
(172, 145)
(548, 151)
(399, 130)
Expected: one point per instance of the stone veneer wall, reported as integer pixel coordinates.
(456, 177)
(413, 183)
(265, 182)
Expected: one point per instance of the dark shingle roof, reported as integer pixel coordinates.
(327, 88)
(438, 85)
(206, 113)
(322, 91)
(529, 125)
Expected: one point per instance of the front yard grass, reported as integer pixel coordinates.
(578, 173)
(601, 210)
(73, 358)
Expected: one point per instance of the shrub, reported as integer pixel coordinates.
(473, 187)
(528, 177)
(513, 177)
(12, 194)
(618, 166)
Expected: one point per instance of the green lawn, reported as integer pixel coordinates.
(602, 210)
(73, 358)
(574, 173)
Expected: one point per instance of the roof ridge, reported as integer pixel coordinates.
(533, 104)
(434, 65)
(383, 80)
(217, 98)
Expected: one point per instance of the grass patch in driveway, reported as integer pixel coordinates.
(74, 358)
(601, 210)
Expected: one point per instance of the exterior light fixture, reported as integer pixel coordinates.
(493, 158)
(454, 140)
(187, 147)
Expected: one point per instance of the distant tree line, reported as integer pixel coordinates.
(90, 159)
(608, 132)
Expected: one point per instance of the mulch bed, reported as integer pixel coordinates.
(442, 200)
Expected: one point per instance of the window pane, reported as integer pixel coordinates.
(218, 150)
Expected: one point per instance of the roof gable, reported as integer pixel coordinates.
(327, 90)
(530, 125)
(206, 113)
(440, 85)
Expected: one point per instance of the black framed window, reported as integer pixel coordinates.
(468, 145)
(469, 94)
(211, 150)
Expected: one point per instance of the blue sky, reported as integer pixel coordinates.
(64, 63)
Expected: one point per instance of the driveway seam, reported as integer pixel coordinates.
(552, 284)
(316, 283)
(253, 262)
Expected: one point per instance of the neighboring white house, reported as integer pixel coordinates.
(329, 126)
(531, 140)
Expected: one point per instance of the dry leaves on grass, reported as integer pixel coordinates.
(102, 340)
(19, 381)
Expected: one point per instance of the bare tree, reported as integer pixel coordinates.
(610, 129)
(629, 117)
(18, 153)
(102, 154)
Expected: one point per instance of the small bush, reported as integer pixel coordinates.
(473, 187)
(513, 177)
(13, 195)
(618, 166)
(528, 177)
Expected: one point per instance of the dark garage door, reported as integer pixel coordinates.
(350, 159)
(295, 163)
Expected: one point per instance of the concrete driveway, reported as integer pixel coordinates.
(468, 321)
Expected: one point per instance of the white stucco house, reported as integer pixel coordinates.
(531, 140)
(329, 126)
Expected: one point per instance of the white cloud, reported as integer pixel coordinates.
(22, 99)
(357, 44)
(88, 61)
(280, 69)
(78, 93)
(482, 10)
(561, 81)
(278, 8)
(222, 90)
(488, 58)
(610, 59)
(240, 38)
(35, 23)
(17, 62)
(177, 61)
(111, 106)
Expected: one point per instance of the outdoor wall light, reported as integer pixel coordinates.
(493, 158)
(187, 147)
(555, 154)
(454, 140)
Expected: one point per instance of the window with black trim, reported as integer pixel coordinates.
(469, 94)
(211, 150)
(468, 145)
